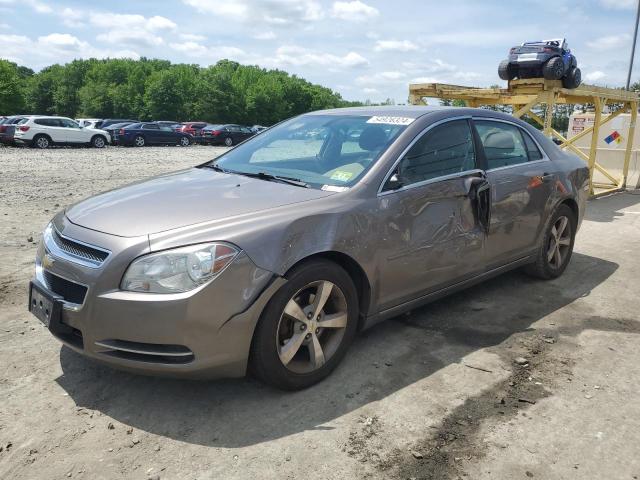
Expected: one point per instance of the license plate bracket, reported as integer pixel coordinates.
(44, 305)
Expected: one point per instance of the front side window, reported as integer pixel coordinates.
(320, 150)
(444, 150)
(502, 142)
(66, 123)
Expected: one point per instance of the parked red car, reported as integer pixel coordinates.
(192, 128)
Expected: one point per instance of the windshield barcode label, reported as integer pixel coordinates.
(391, 120)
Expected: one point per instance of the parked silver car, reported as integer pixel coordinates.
(273, 256)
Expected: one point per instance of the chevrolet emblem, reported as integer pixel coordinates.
(47, 261)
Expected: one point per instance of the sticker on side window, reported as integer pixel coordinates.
(391, 120)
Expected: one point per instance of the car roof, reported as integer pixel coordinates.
(409, 111)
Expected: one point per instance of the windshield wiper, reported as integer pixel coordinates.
(216, 167)
(270, 177)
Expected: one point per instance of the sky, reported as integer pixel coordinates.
(363, 49)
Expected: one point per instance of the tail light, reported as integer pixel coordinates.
(512, 50)
(122, 131)
(24, 128)
(3, 128)
(215, 133)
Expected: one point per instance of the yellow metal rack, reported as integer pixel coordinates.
(524, 95)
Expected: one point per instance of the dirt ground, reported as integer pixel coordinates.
(436, 394)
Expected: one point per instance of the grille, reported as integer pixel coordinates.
(78, 249)
(72, 292)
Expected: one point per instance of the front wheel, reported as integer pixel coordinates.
(506, 71)
(557, 246)
(572, 79)
(98, 141)
(306, 328)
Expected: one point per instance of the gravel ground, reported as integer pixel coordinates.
(436, 394)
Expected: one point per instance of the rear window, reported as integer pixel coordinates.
(150, 126)
(47, 122)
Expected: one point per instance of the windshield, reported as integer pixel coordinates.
(320, 150)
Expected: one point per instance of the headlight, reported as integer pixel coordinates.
(178, 270)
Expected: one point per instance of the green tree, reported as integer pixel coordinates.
(12, 98)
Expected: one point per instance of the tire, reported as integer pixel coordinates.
(506, 71)
(98, 141)
(41, 141)
(573, 78)
(228, 141)
(553, 69)
(184, 142)
(299, 367)
(546, 265)
(139, 141)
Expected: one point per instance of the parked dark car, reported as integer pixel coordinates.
(107, 122)
(8, 128)
(169, 123)
(551, 59)
(150, 133)
(273, 256)
(114, 130)
(225, 134)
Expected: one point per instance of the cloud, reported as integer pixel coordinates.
(619, 4)
(190, 37)
(299, 56)
(128, 21)
(381, 79)
(355, 11)
(610, 42)
(273, 12)
(268, 35)
(595, 76)
(55, 47)
(194, 49)
(72, 18)
(130, 37)
(395, 46)
(38, 6)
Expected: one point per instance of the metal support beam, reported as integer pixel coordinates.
(593, 149)
(632, 130)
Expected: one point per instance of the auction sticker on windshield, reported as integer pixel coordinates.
(391, 120)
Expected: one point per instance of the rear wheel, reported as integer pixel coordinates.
(306, 328)
(557, 246)
(553, 69)
(184, 141)
(228, 141)
(573, 78)
(139, 141)
(506, 70)
(41, 141)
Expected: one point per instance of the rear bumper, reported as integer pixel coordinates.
(205, 333)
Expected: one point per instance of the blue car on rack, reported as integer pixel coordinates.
(549, 59)
(152, 133)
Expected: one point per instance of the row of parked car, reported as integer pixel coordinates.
(42, 131)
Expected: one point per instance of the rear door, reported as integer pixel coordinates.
(52, 127)
(430, 233)
(522, 179)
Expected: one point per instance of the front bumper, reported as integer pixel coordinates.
(204, 333)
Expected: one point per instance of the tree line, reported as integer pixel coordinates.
(151, 89)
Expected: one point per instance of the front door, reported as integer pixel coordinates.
(522, 179)
(73, 132)
(430, 233)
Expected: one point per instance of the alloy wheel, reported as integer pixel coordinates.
(559, 242)
(311, 327)
(98, 142)
(139, 141)
(184, 141)
(228, 141)
(42, 142)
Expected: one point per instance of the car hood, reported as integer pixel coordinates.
(180, 199)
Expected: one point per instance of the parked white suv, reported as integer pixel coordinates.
(42, 132)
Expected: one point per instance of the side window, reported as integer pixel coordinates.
(68, 123)
(502, 142)
(150, 126)
(443, 150)
(532, 149)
